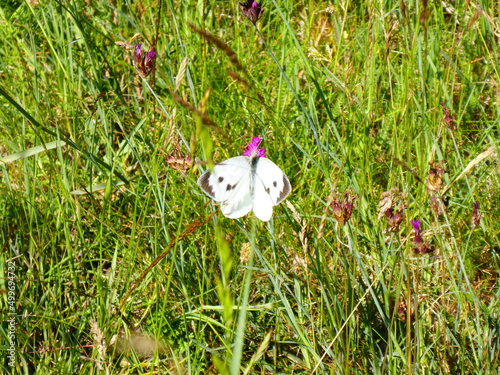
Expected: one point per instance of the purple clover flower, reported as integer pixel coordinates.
(251, 10)
(149, 59)
(144, 62)
(416, 225)
(421, 247)
(138, 54)
(337, 209)
(342, 208)
(393, 218)
(253, 150)
(448, 120)
(418, 237)
(397, 217)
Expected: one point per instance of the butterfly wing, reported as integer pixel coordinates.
(229, 183)
(240, 202)
(262, 202)
(241, 187)
(271, 187)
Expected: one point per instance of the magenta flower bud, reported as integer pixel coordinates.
(138, 54)
(420, 247)
(342, 209)
(251, 10)
(144, 63)
(416, 225)
(337, 210)
(149, 59)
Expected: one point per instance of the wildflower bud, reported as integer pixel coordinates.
(393, 219)
(149, 60)
(342, 209)
(418, 237)
(448, 120)
(420, 247)
(251, 10)
(138, 54)
(435, 178)
(144, 63)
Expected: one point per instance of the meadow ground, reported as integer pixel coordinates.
(385, 257)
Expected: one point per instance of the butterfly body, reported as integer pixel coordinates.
(243, 184)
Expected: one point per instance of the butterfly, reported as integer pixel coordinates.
(246, 183)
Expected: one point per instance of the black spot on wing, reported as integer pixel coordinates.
(275, 184)
(220, 179)
(230, 187)
(286, 189)
(205, 185)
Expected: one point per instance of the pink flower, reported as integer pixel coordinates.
(251, 10)
(342, 208)
(393, 218)
(138, 54)
(253, 150)
(144, 62)
(421, 247)
(416, 225)
(149, 59)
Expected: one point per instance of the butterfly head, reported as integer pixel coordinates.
(252, 149)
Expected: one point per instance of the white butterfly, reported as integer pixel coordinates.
(246, 183)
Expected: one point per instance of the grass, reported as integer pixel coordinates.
(120, 264)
